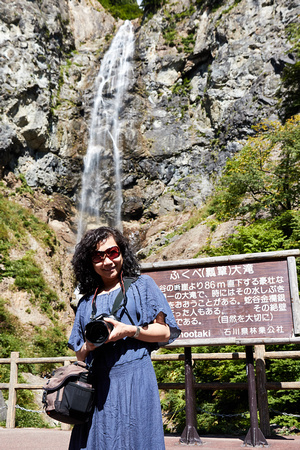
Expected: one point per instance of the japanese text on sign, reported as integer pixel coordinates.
(237, 300)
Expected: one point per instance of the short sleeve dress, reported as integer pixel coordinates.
(127, 414)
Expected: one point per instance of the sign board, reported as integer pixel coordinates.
(221, 301)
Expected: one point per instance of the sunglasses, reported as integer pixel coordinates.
(111, 253)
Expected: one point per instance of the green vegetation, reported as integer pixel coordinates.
(182, 88)
(49, 341)
(264, 175)
(151, 6)
(16, 222)
(122, 9)
(188, 43)
(260, 181)
(215, 407)
(289, 94)
(214, 5)
(25, 274)
(226, 11)
(171, 36)
(264, 235)
(260, 186)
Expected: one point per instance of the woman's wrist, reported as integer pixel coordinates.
(135, 331)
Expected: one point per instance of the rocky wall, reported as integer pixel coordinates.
(201, 79)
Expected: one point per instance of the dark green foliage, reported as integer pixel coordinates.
(284, 401)
(15, 221)
(151, 6)
(49, 341)
(26, 419)
(122, 9)
(171, 35)
(188, 43)
(212, 406)
(290, 94)
(15, 224)
(261, 236)
(214, 5)
(183, 88)
(291, 82)
(227, 411)
(264, 175)
(11, 332)
(28, 277)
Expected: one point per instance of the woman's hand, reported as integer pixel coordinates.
(85, 350)
(158, 331)
(120, 330)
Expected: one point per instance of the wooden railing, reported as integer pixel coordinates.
(262, 385)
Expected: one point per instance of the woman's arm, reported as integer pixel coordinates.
(158, 331)
(84, 351)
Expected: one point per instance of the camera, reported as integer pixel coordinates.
(97, 330)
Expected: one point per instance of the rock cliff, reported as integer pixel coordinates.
(202, 78)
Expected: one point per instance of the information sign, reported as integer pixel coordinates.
(229, 302)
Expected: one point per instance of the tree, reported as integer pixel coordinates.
(151, 6)
(264, 175)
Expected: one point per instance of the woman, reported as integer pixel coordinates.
(127, 414)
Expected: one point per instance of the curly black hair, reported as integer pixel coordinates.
(88, 280)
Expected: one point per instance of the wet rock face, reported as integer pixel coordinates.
(44, 83)
(33, 36)
(202, 101)
(201, 79)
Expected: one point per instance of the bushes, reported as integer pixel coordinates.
(227, 411)
(122, 9)
(264, 176)
(260, 181)
(20, 266)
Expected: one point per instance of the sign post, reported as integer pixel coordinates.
(254, 436)
(190, 434)
(231, 300)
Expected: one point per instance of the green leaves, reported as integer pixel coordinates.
(264, 176)
(122, 9)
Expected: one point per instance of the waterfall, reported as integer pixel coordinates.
(101, 195)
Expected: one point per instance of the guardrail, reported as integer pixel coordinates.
(262, 386)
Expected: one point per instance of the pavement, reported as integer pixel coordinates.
(52, 439)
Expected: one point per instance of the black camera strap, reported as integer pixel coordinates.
(125, 284)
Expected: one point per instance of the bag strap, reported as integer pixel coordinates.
(125, 284)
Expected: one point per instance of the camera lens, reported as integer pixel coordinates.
(97, 331)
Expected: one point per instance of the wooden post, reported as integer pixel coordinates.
(66, 426)
(254, 436)
(190, 434)
(262, 393)
(294, 293)
(12, 393)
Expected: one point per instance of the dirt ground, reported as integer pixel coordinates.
(47, 439)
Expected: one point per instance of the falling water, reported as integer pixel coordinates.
(101, 196)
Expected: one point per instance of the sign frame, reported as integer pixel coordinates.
(284, 255)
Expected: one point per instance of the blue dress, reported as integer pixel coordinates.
(127, 414)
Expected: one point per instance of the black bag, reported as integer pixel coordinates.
(68, 395)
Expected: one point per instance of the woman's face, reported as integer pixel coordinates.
(108, 269)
